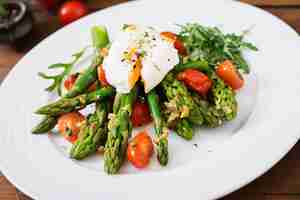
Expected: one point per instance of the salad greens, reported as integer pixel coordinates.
(203, 96)
(210, 45)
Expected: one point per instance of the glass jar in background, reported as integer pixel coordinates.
(16, 22)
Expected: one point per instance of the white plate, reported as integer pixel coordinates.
(226, 158)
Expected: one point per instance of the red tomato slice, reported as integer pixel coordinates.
(140, 114)
(227, 72)
(195, 80)
(69, 82)
(172, 37)
(69, 125)
(101, 76)
(140, 150)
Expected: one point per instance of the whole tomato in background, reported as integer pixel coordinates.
(71, 11)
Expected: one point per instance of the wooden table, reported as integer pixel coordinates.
(282, 182)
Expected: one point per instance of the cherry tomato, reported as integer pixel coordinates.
(172, 37)
(101, 76)
(140, 150)
(180, 47)
(71, 11)
(140, 114)
(69, 125)
(195, 80)
(227, 72)
(169, 36)
(69, 82)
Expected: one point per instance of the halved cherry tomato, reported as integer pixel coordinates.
(101, 76)
(140, 150)
(71, 11)
(172, 37)
(228, 73)
(195, 80)
(69, 82)
(169, 36)
(140, 114)
(69, 125)
(180, 47)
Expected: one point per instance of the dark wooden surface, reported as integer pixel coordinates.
(282, 182)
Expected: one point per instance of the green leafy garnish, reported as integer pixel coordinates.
(58, 79)
(211, 45)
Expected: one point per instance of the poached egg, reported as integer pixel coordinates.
(139, 52)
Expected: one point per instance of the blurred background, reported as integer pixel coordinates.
(23, 23)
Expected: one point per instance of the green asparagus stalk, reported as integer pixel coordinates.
(45, 125)
(65, 105)
(93, 133)
(89, 76)
(119, 132)
(212, 117)
(184, 129)
(180, 103)
(117, 102)
(160, 128)
(199, 65)
(100, 37)
(223, 98)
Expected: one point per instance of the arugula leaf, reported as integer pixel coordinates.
(211, 45)
(58, 79)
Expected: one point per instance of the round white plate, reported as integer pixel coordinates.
(226, 158)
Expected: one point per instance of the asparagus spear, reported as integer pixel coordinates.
(65, 105)
(45, 125)
(199, 65)
(222, 106)
(223, 98)
(119, 132)
(180, 103)
(99, 36)
(184, 129)
(160, 128)
(212, 116)
(93, 133)
(89, 76)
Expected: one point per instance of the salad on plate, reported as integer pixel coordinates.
(177, 80)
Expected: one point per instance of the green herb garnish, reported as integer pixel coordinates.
(58, 79)
(211, 45)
